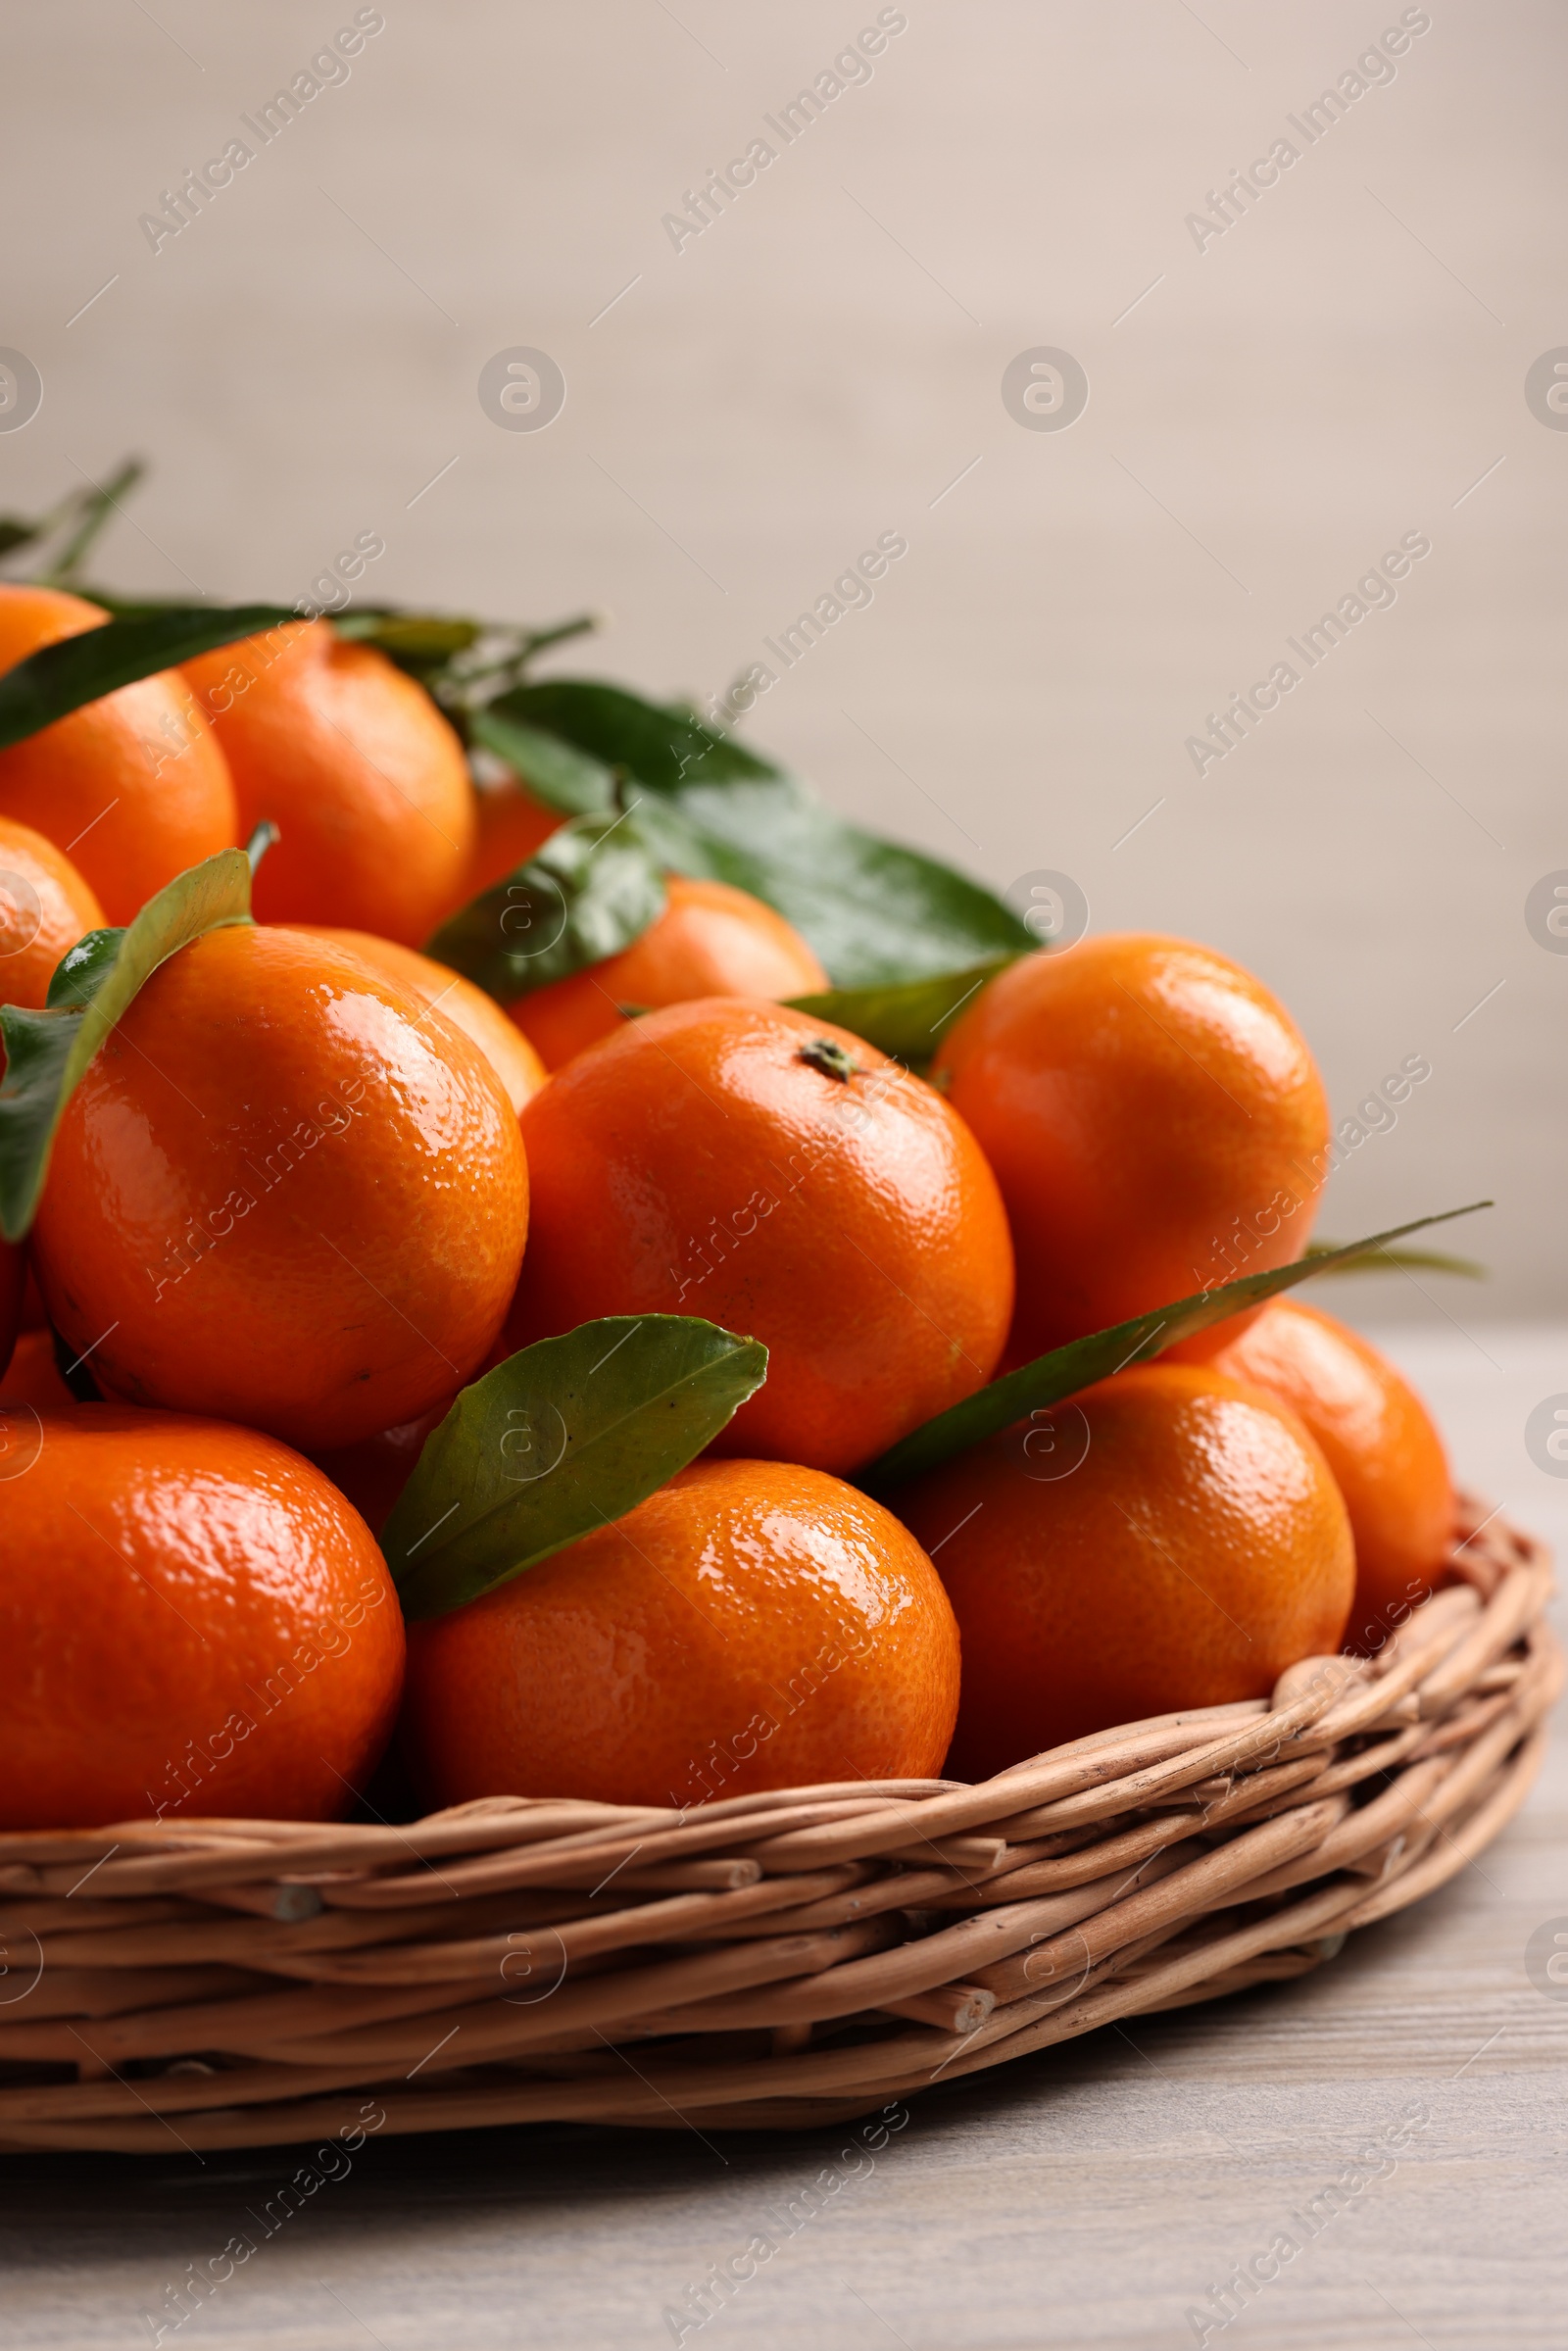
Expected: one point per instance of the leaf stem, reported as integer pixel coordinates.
(96, 506)
(1069, 1370)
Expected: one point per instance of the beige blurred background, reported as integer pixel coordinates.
(1269, 410)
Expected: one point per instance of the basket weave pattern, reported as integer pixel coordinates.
(773, 1960)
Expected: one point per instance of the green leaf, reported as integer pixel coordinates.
(586, 893)
(1390, 1260)
(878, 915)
(82, 969)
(562, 1438)
(1069, 1370)
(60, 678)
(16, 531)
(136, 608)
(909, 1021)
(463, 663)
(415, 636)
(555, 771)
(661, 747)
(47, 1053)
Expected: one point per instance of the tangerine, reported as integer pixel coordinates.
(32, 1379)
(711, 939)
(1167, 1539)
(284, 1193)
(468, 1007)
(356, 766)
(510, 825)
(13, 1287)
(192, 1620)
(1378, 1439)
(373, 1472)
(45, 906)
(751, 1625)
(735, 1160)
(132, 788)
(1155, 1122)
(34, 1314)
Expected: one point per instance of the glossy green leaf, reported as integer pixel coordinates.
(1069, 1370)
(48, 1052)
(909, 1021)
(661, 747)
(82, 969)
(562, 1438)
(555, 771)
(589, 891)
(878, 915)
(60, 678)
(1395, 1260)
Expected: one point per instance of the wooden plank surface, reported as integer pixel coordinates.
(1094, 2195)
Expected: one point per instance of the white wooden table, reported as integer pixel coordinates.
(1093, 2195)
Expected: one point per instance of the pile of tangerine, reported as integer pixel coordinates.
(314, 1183)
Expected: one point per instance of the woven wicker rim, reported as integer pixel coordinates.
(777, 1960)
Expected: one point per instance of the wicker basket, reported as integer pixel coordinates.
(784, 1959)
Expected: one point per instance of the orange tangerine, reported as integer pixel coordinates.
(132, 788)
(468, 1007)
